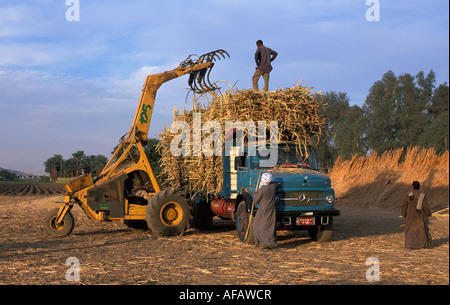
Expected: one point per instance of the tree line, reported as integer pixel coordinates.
(79, 163)
(7, 175)
(399, 111)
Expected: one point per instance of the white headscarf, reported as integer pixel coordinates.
(266, 178)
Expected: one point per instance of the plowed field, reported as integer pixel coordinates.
(25, 188)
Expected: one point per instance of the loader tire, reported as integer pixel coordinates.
(64, 229)
(168, 213)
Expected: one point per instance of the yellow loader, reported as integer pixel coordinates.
(126, 189)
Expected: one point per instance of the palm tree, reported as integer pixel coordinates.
(52, 165)
(79, 158)
(97, 163)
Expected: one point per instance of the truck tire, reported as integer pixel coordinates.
(321, 233)
(168, 213)
(242, 223)
(64, 229)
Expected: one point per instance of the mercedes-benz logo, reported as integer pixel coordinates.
(304, 198)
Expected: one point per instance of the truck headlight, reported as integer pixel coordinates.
(330, 199)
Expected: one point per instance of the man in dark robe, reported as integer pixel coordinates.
(264, 224)
(416, 211)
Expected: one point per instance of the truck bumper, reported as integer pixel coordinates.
(305, 219)
(315, 213)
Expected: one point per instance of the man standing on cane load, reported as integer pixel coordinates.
(416, 211)
(263, 57)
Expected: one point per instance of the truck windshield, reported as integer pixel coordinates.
(288, 156)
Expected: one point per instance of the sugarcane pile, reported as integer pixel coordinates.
(296, 110)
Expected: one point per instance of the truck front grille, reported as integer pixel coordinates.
(305, 198)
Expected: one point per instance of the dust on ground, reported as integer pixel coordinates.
(111, 253)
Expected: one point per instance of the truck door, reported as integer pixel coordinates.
(235, 161)
(242, 177)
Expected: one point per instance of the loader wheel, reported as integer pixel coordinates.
(63, 229)
(168, 213)
(243, 224)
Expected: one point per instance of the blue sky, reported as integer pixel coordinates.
(68, 86)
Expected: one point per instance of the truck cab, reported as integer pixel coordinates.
(304, 198)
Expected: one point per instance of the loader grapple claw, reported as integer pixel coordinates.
(199, 81)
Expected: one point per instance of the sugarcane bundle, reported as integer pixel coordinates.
(295, 110)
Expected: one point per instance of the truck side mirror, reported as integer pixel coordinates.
(240, 162)
(237, 162)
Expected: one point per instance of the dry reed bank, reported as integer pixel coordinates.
(382, 181)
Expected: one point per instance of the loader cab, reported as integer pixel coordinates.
(137, 185)
(109, 197)
(138, 179)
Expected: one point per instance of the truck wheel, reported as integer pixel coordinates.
(242, 223)
(168, 213)
(321, 233)
(64, 229)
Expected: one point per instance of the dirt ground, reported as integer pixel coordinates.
(111, 253)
